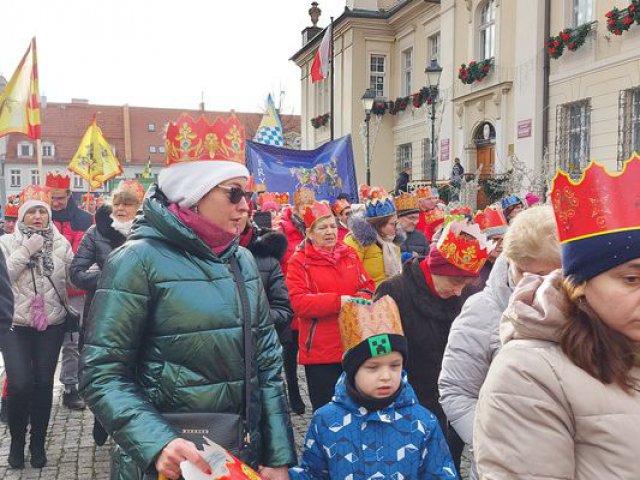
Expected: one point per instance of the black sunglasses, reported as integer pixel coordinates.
(236, 194)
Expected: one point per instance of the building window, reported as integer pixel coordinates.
(628, 124)
(582, 12)
(151, 127)
(433, 48)
(377, 74)
(161, 149)
(322, 96)
(15, 178)
(152, 149)
(25, 149)
(78, 182)
(407, 71)
(487, 30)
(35, 176)
(573, 136)
(48, 150)
(403, 157)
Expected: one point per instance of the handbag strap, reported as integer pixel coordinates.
(62, 302)
(246, 313)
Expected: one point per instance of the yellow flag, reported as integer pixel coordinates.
(19, 108)
(94, 161)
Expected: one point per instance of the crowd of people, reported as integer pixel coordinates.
(421, 327)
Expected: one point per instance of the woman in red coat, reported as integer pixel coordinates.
(323, 274)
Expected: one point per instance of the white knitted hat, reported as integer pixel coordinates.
(29, 204)
(186, 183)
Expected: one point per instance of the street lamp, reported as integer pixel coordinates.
(368, 99)
(433, 72)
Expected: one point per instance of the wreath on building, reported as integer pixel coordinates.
(570, 38)
(320, 120)
(475, 71)
(621, 20)
(424, 97)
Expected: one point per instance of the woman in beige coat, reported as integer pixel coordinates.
(562, 398)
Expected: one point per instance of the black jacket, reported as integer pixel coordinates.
(402, 183)
(6, 300)
(426, 320)
(416, 242)
(96, 246)
(268, 248)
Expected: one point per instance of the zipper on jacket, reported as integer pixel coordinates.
(312, 331)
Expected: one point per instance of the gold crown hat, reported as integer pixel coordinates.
(362, 319)
(406, 204)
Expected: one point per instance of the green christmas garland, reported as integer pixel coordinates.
(570, 38)
(400, 104)
(621, 20)
(320, 120)
(475, 71)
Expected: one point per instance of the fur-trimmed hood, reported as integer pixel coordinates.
(268, 243)
(366, 235)
(103, 225)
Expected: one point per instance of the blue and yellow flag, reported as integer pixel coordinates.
(270, 130)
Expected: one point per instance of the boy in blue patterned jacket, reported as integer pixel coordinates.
(374, 427)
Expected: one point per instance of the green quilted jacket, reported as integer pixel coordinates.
(167, 337)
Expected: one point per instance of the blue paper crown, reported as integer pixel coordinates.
(380, 208)
(510, 201)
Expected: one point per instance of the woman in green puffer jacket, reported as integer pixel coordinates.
(167, 334)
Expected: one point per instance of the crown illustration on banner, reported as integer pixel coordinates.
(304, 196)
(379, 203)
(406, 201)
(464, 246)
(58, 180)
(426, 192)
(316, 211)
(341, 205)
(599, 203)
(360, 319)
(188, 140)
(35, 192)
(491, 221)
(11, 207)
(130, 187)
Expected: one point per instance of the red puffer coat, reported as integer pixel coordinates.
(316, 280)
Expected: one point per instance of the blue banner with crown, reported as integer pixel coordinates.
(328, 170)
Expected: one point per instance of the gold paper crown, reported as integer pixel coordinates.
(464, 246)
(361, 319)
(35, 192)
(304, 196)
(406, 201)
(11, 207)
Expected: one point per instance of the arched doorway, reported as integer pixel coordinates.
(485, 141)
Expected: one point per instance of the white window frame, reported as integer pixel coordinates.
(487, 30)
(51, 147)
(578, 128)
(635, 120)
(78, 182)
(15, 178)
(581, 12)
(407, 71)
(152, 149)
(161, 149)
(151, 127)
(380, 75)
(34, 175)
(433, 47)
(404, 156)
(25, 144)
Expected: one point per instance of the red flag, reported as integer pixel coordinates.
(19, 106)
(320, 65)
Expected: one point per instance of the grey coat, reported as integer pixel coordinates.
(474, 341)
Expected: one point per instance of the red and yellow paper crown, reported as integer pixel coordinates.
(361, 319)
(364, 191)
(599, 203)
(462, 210)
(340, 206)
(491, 221)
(434, 216)
(464, 246)
(188, 140)
(11, 207)
(130, 187)
(406, 201)
(304, 196)
(35, 192)
(58, 180)
(282, 198)
(316, 211)
(426, 192)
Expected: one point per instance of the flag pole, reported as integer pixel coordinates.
(331, 116)
(39, 159)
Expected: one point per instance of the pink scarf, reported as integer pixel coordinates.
(213, 236)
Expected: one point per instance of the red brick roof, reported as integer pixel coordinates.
(63, 124)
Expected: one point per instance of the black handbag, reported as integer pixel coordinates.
(72, 318)
(229, 430)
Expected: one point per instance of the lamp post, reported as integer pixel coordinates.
(368, 100)
(433, 72)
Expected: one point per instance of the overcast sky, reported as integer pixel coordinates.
(163, 53)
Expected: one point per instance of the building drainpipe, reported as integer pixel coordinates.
(545, 87)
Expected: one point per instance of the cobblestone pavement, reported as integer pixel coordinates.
(72, 453)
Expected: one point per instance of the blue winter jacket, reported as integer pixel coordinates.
(402, 441)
